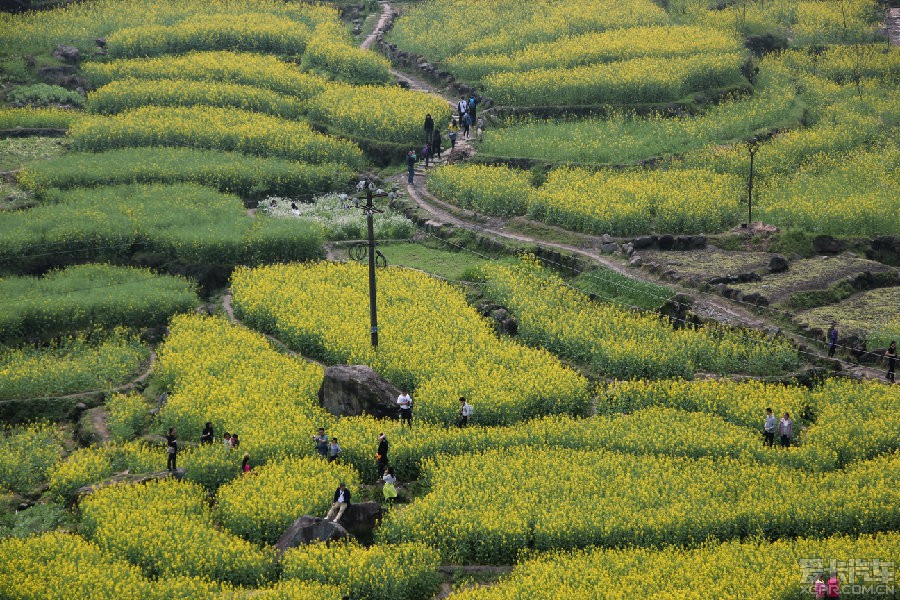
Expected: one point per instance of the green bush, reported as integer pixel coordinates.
(40, 95)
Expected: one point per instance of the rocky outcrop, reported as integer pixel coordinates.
(354, 390)
(125, 478)
(307, 530)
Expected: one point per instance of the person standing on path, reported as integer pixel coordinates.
(470, 109)
(381, 455)
(426, 152)
(466, 124)
(339, 503)
(786, 430)
(769, 428)
(462, 107)
(436, 143)
(428, 127)
(465, 412)
(452, 131)
(171, 451)
(891, 356)
(832, 339)
(321, 442)
(404, 401)
(390, 489)
(411, 165)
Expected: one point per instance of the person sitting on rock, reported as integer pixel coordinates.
(339, 504)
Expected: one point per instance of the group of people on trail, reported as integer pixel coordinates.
(434, 140)
(783, 428)
(405, 404)
(207, 437)
(890, 355)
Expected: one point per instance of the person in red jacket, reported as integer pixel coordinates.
(834, 587)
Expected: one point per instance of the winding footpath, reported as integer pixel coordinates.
(704, 303)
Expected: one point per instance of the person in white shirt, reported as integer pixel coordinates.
(769, 428)
(465, 412)
(786, 430)
(389, 490)
(341, 501)
(404, 401)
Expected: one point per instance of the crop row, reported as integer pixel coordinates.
(506, 25)
(82, 24)
(623, 344)
(250, 177)
(597, 47)
(535, 498)
(212, 128)
(184, 223)
(68, 366)
(83, 296)
(603, 201)
(636, 81)
(779, 570)
(429, 339)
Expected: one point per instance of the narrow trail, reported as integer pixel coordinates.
(147, 370)
(706, 304)
(892, 25)
(229, 312)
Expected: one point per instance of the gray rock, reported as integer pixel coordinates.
(606, 239)
(126, 478)
(698, 241)
(307, 530)
(645, 241)
(628, 249)
(609, 248)
(778, 264)
(666, 242)
(353, 390)
(636, 261)
(67, 54)
(361, 518)
(826, 244)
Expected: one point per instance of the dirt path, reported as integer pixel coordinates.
(386, 10)
(125, 387)
(892, 25)
(229, 311)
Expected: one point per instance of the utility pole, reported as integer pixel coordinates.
(370, 210)
(752, 148)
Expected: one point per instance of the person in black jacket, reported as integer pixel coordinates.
(207, 435)
(171, 450)
(381, 457)
(339, 503)
(428, 127)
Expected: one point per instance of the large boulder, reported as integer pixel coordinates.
(778, 264)
(67, 54)
(826, 244)
(354, 390)
(307, 530)
(362, 517)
